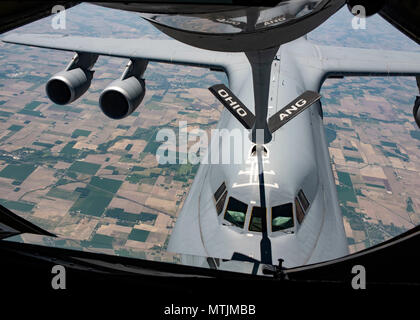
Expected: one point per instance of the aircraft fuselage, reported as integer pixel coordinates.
(280, 201)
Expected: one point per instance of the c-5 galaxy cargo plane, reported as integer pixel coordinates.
(281, 201)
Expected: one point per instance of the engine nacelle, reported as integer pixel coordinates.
(66, 86)
(122, 97)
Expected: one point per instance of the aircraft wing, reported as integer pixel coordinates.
(343, 61)
(166, 51)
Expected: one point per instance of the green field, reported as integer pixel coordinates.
(359, 160)
(5, 113)
(185, 172)
(93, 204)
(56, 133)
(137, 168)
(17, 171)
(330, 134)
(106, 184)
(31, 113)
(144, 134)
(346, 194)
(145, 216)
(375, 185)
(15, 205)
(345, 189)
(127, 158)
(43, 144)
(33, 105)
(350, 148)
(138, 235)
(101, 241)
(152, 146)
(415, 134)
(344, 178)
(120, 214)
(15, 127)
(389, 144)
(397, 154)
(141, 178)
(62, 194)
(68, 149)
(80, 133)
(410, 205)
(355, 219)
(84, 167)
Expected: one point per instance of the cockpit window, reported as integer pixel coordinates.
(221, 203)
(282, 217)
(300, 215)
(220, 198)
(236, 212)
(256, 219)
(303, 200)
(219, 191)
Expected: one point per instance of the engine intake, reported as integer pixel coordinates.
(67, 86)
(122, 97)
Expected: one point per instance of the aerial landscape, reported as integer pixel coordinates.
(78, 174)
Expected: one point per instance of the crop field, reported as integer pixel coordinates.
(94, 203)
(17, 172)
(85, 167)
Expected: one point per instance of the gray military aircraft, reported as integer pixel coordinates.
(281, 202)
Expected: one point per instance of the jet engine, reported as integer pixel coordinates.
(124, 95)
(68, 85)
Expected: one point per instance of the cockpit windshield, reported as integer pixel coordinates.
(236, 212)
(256, 219)
(282, 217)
